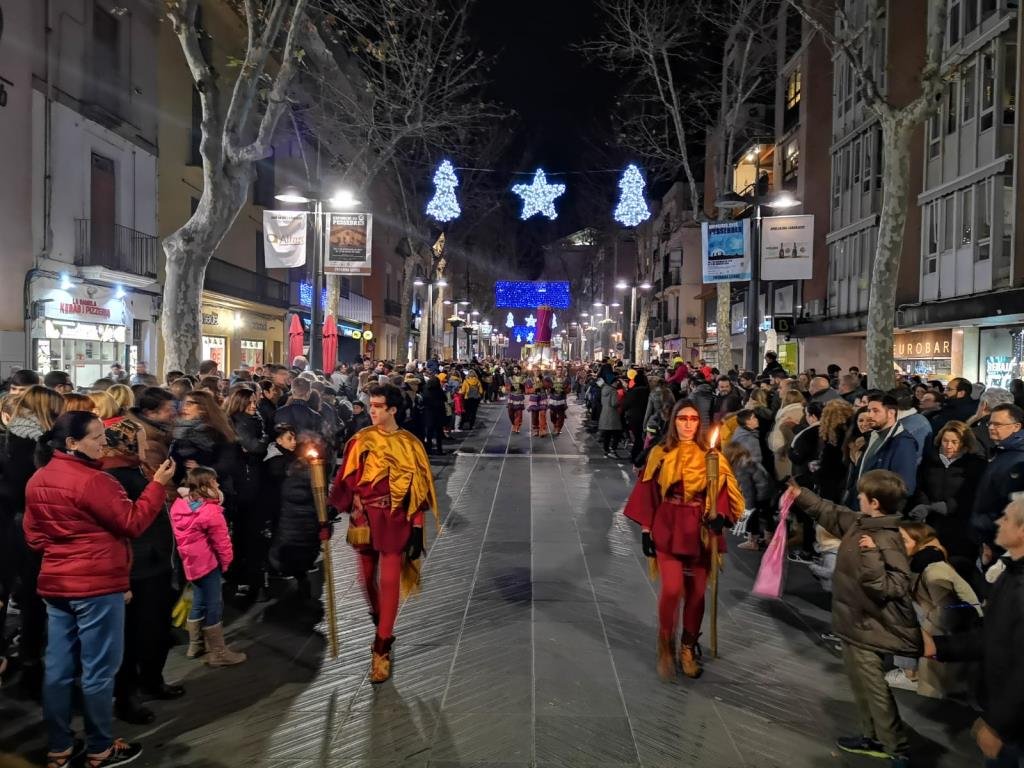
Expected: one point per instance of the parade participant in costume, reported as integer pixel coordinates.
(557, 404)
(669, 501)
(537, 405)
(516, 402)
(386, 485)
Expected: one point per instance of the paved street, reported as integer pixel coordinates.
(531, 644)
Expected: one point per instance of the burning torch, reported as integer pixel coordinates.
(318, 482)
(711, 467)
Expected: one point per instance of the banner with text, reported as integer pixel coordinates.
(348, 243)
(726, 251)
(284, 239)
(787, 247)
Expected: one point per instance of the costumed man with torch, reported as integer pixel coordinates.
(685, 495)
(386, 485)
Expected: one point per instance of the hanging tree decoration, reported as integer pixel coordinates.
(510, 322)
(632, 208)
(444, 206)
(539, 197)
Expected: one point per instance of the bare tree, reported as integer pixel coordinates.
(399, 87)
(657, 40)
(858, 40)
(236, 133)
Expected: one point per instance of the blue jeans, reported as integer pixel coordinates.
(86, 633)
(207, 600)
(1012, 756)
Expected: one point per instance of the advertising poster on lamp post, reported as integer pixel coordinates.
(348, 243)
(787, 247)
(726, 250)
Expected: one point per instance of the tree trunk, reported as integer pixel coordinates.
(333, 285)
(642, 321)
(896, 142)
(188, 252)
(723, 325)
(405, 321)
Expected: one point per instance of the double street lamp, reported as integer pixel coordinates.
(758, 199)
(440, 283)
(343, 200)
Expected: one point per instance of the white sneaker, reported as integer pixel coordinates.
(897, 678)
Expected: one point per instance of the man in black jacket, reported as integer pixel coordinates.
(297, 412)
(959, 404)
(999, 732)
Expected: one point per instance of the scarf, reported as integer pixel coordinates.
(925, 557)
(25, 426)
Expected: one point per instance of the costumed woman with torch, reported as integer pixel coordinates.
(385, 485)
(685, 495)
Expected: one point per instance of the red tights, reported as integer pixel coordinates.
(381, 575)
(686, 581)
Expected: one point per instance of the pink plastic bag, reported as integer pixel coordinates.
(773, 564)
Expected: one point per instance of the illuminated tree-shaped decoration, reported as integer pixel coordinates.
(444, 206)
(632, 208)
(539, 197)
(510, 322)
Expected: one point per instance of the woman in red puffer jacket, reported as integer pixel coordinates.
(80, 520)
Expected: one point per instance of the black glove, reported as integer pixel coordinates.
(647, 544)
(414, 548)
(717, 524)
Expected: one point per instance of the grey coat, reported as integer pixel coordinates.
(610, 418)
(871, 604)
(749, 440)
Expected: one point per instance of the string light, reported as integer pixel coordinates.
(632, 208)
(539, 197)
(510, 321)
(522, 294)
(444, 206)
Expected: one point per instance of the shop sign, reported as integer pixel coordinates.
(89, 304)
(999, 371)
(257, 324)
(348, 244)
(284, 239)
(210, 318)
(923, 344)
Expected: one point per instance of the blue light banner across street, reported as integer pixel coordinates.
(522, 294)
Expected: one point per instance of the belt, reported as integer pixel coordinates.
(676, 499)
(379, 501)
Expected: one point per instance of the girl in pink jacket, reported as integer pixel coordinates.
(205, 549)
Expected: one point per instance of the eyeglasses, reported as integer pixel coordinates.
(1001, 424)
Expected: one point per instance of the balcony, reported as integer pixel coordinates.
(664, 327)
(231, 280)
(117, 248)
(392, 308)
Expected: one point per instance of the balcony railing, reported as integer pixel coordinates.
(392, 308)
(115, 247)
(231, 280)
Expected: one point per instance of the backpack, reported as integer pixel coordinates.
(473, 393)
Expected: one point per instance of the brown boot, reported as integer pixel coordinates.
(688, 657)
(219, 655)
(380, 664)
(666, 659)
(196, 646)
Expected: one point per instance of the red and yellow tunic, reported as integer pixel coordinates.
(390, 473)
(670, 500)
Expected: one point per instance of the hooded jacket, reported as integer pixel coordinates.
(871, 606)
(202, 536)
(1003, 476)
(894, 449)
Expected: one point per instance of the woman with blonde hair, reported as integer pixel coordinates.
(106, 406)
(74, 401)
(123, 396)
(835, 424)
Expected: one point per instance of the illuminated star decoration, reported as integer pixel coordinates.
(632, 208)
(539, 197)
(529, 337)
(510, 321)
(531, 321)
(444, 206)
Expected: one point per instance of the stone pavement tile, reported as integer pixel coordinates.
(497, 658)
(475, 764)
(390, 734)
(562, 590)
(510, 694)
(572, 611)
(567, 641)
(569, 741)
(689, 736)
(578, 693)
(482, 737)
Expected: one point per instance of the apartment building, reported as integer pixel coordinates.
(669, 251)
(969, 316)
(78, 125)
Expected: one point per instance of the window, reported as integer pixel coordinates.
(988, 7)
(846, 169)
(966, 216)
(106, 56)
(948, 223)
(971, 20)
(968, 92)
(877, 141)
(835, 181)
(931, 238)
(1009, 85)
(857, 162)
(791, 161)
(793, 89)
(794, 31)
(934, 136)
(951, 104)
(953, 35)
(988, 89)
(849, 88)
(263, 186)
(983, 212)
(869, 162)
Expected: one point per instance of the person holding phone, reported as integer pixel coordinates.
(84, 580)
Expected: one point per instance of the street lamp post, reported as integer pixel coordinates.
(631, 346)
(344, 200)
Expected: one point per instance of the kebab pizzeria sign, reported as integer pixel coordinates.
(84, 308)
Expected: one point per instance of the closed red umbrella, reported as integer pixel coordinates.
(330, 343)
(294, 339)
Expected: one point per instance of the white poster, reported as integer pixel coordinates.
(787, 247)
(726, 251)
(284, 239)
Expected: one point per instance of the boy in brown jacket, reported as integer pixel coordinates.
(871, 607)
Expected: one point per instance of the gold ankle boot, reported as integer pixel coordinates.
(380, 663)
(666, 661)
(688, 660)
